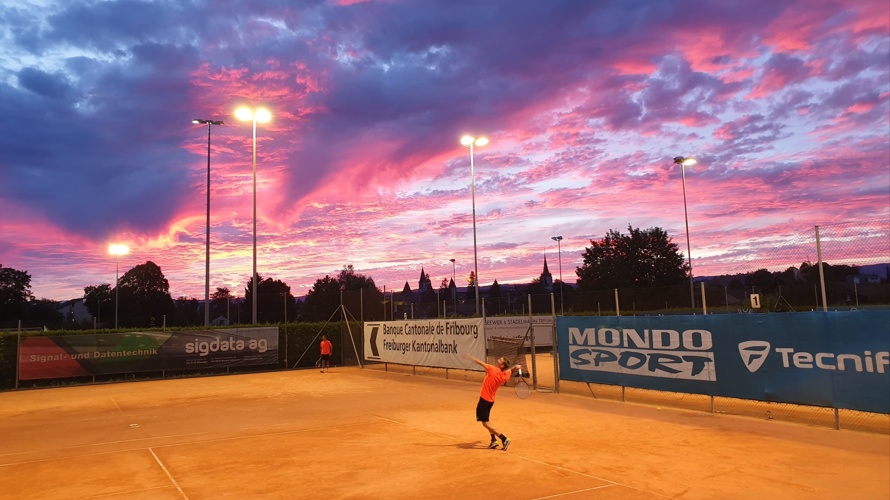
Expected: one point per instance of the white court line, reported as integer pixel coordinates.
(610, 483)
(158, 460)
(576, 491)
(93, 445)
(182, 443)
(115, 404)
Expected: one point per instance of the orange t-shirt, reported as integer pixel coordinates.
(494, 379)
(325, 347)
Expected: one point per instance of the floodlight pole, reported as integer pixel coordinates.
(683, 162)
(209, 123)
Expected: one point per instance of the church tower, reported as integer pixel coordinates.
(425, 284)
(546, 278)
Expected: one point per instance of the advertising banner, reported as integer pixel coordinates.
(835, 359)
(516, 326)
(63, 356)
(439, 342)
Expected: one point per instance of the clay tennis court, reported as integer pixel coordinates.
(368, 434)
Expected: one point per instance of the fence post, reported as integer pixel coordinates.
(18, 354)
(704, 300)
(821, 273)
(617, 308)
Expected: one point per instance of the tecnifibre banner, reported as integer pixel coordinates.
(109, 353)
(438, 343)
(834, 359)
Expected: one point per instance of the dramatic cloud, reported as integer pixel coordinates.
(784, 103)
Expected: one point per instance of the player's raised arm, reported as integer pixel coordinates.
(474, 359)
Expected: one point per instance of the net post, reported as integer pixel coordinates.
(553, 343)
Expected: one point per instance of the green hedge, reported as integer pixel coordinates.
(295, 341)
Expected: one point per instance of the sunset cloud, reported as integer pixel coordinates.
(784, 103)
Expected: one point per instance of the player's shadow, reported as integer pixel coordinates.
(476, 445)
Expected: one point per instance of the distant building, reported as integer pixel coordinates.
(74, 311)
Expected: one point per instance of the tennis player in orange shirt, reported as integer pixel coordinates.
(326, 348)
(495, 377)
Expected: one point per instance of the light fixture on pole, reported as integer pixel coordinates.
(117, 251)
(470, 142)
(684, 162)
(558, 240)
(262, 116)
(209, 123)
(452, 269)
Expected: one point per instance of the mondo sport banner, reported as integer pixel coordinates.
(65, 356)
(834, 359)
(439, 343)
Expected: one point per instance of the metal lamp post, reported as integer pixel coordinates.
(209, 123)
(684, 162)
(262, 116)
(470, 141)
(117, 251)
(558, 240)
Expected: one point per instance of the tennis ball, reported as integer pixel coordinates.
(659, 408)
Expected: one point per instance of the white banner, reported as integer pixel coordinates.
(516, 326)
(438, 342)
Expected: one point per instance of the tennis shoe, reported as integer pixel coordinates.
(493, 445)
(506, 444)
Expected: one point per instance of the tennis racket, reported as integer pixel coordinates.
(318, 363)
(521, 387)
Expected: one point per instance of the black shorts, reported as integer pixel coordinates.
(325, 357)
(483, 410)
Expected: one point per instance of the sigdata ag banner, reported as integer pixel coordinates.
(107, 353)
(440, 342)
(834, 359)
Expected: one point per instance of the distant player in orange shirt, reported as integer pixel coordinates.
(326, 348)
(495, 377)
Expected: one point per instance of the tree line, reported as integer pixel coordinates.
(640, 259)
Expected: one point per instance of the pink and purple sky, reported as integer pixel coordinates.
(784, 103)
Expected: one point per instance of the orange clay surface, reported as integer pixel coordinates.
(357, 433)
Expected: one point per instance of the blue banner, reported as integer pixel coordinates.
(834, 359)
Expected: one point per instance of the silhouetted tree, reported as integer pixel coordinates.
(495, 290)
(272, 298)
(15, 292)
(219, 303)
(99, 301)
(324, 296)
(642, 258)
(144, 297)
